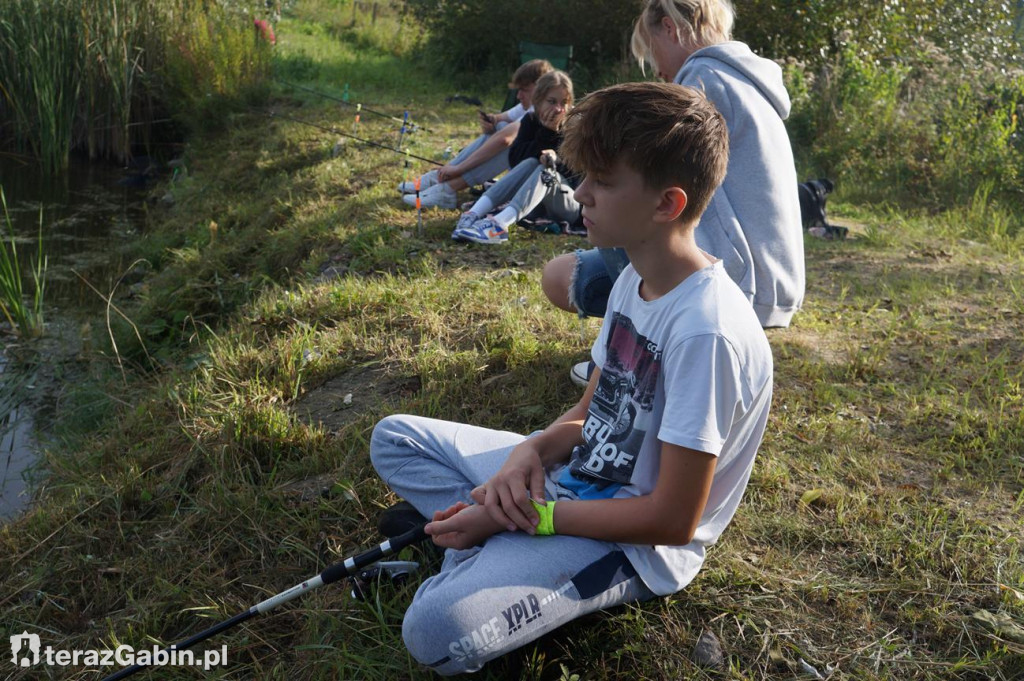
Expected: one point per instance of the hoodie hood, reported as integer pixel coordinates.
(765, 74)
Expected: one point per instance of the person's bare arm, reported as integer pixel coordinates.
(489, 122)
(461, 526)
(494, 144)
(667, 516)
(506, 496)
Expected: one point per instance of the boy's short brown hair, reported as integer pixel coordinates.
(530, 72)
(670, 134)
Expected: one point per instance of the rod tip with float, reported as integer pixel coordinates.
(419, 208)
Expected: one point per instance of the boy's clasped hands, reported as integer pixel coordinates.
(501, 504)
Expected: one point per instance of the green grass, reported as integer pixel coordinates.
(883, 513)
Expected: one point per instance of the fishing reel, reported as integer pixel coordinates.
(548, 177)
(396, 572)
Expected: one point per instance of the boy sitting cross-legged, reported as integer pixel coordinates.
(648, 468)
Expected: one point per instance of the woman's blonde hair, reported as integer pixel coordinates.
(548, 82)
(700, 22)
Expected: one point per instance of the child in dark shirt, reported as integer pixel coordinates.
(487, 156)
(537, 177)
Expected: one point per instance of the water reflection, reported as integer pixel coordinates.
(17, 450)
(88, 215)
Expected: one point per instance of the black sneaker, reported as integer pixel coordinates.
(399, 519)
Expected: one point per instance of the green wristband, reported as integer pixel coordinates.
(546, 511)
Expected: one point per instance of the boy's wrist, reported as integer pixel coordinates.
(538, 446)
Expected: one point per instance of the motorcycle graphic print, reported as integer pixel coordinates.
(620, 411)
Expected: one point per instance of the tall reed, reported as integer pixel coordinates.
(41, 53)
(24, 317)
(93, 74)
(115, 37)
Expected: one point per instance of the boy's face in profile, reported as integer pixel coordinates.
(618, 207)
(525, 95)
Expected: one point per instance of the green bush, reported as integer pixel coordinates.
(479, 39)
(921, 131)
(910, 102)
(816, 32)
(212, 62)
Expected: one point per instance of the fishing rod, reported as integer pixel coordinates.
(357, 139)
(135, 125)
(363, 107)
(343, 568)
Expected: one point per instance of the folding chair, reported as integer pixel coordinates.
(560, 57)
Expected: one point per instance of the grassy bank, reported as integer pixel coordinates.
(295, 301)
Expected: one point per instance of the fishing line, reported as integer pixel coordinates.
(335, 131)
(348, 103)
(137, 124)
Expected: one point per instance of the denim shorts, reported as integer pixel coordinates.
(596, 271)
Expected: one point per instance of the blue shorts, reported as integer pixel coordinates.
(596, 271)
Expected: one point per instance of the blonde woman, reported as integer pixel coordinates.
(753, 222)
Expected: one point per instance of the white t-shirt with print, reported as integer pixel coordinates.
(692, 368)
(517, 112)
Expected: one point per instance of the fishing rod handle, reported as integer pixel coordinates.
(345, 568)
(353, 564)
(331, 574)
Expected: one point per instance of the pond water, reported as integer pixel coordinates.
(88, 215)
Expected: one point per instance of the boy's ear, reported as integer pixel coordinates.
(671, 205)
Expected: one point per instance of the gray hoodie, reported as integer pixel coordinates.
(753, 220)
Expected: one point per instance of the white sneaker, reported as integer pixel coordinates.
(580, 374)
(465, 221)
(440, 196)
(485, 231)
(427, 180)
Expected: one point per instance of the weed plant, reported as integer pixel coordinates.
(879, 538)
(918, 132)
(478, 37)
(25, 318)
(815, 32)
(42, 60)
(214, 63)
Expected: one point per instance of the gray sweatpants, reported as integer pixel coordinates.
(489, 169)
(490, 599)
(524, 190)
(557, 197)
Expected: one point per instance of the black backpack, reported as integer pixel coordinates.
(813, 194)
